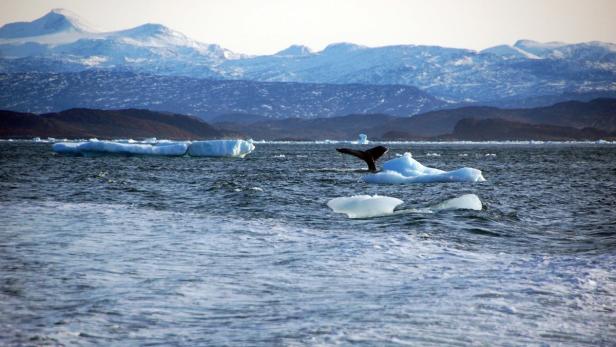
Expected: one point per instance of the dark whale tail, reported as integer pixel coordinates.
(369, 156)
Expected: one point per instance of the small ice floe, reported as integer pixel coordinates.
(256, 189)
(490, 155)
(221, 148)
(364, 206)
(433, 154)
(280, 156)
(405, 169)
(463, 155)
(464, 202)
(363, 139)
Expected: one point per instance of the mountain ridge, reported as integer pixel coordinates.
(557, 122)
(522, 70)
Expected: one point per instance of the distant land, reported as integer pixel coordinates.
(525, 74)
(59, 78)
(50, 92)
(106, 124)
(572, 120)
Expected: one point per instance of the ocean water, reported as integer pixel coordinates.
(187, 251)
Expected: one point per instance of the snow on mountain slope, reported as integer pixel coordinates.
(56, 21)
(59, 43)
(62, 38)
(510, 52)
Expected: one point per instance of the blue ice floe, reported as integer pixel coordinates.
(214, 148)
(221, 148)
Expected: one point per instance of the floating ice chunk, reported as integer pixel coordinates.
(108, 147)
(364, 206)
(490, 155)
(363, 139)
(221, 148)
(434, 154)
(66, 147)
(405, 169)
(465, 202)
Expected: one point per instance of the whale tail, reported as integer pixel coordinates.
(369, 156)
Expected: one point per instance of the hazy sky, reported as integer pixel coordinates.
(263, 27)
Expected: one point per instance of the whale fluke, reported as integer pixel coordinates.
(369, 156)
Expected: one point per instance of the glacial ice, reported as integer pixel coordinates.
(364, 206)
(466, 201)
(109, 147)
(66, 147)
(221, 148)
(405, 169)
(363, 139)
(214, 148)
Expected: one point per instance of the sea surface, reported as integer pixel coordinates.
(127, 251)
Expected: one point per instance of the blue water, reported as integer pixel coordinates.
(201, 251)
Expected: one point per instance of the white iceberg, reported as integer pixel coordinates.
(109, 147)
(364, 206)
(464, 202)
(66, 147)
(405, 169)
(363, 139)
(221, 148)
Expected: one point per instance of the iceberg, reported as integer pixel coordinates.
(464, 202)
(405, 169)
(214, 148)
(109, 147)
(364, 206)
(363, 139)
(66, 147)
(221, 148)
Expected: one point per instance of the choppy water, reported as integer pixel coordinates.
(201, 251)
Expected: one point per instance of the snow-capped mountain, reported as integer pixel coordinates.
(59, 42)
(55, 22)
(65, 44)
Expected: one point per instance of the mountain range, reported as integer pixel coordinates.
(563, 121)
(566, 121)
(524, 74)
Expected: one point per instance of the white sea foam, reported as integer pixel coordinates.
(405, 169)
